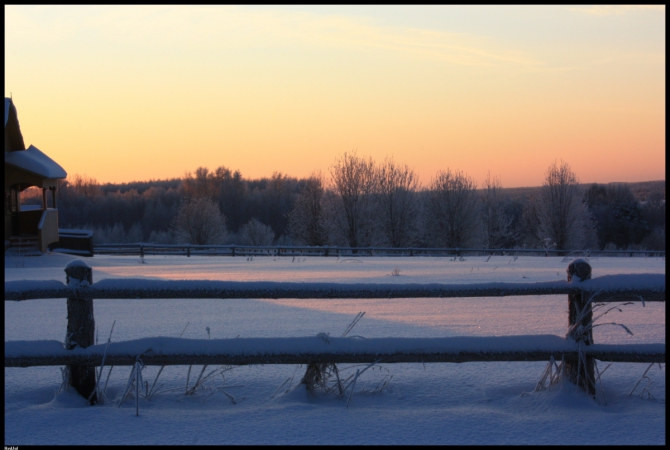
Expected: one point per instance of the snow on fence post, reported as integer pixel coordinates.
(581, 373)
(80, 327)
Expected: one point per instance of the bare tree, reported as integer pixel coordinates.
(256, 233)
(452, 210)
(202, 184)
(306, 222)
(84, 185)
(563, 215)
(109, 234)
(497, 230)
(397, 203)
(353, 181)
(199, 221)
(161, 237)
(530, 224)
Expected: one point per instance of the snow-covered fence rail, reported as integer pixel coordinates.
(609, 288)
(146, 249)
(313, 349)
(581, 290)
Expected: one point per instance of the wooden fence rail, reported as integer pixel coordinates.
(81, 356)
(609, 288)
(307, 350)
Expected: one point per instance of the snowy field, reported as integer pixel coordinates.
(439, 403)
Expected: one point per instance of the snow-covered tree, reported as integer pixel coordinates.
(618, 214)
(529, 225)
(497, 229)
(256, 233)
(161, 237)
(306, 222)
(562, 212)
(397, 206)
(134, 233)
(200, 222)
(353, 181)
(109, 234)
(452, 210)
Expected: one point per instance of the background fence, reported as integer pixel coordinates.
(144, 249)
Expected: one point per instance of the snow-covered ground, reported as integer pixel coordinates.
(441, 403)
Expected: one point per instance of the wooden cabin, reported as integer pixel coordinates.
(29, 227)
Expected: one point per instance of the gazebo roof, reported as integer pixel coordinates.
(34, 161)
(8, 103)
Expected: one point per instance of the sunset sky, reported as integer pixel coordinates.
(123, 93)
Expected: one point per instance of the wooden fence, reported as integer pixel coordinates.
(82, 356)
(145, 249)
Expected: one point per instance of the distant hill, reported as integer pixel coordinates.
(641, 189)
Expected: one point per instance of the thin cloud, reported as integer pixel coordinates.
(207, 28)
(615, 10)
(357, 33)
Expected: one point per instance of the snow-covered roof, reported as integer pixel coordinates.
(8, 103)
(34, 161)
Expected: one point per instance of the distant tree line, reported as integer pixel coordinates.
(362, 203)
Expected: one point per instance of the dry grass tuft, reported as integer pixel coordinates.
(326, 377)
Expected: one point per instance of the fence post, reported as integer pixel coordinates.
(80, 327)
(188, 250)
(326, 250)
(141, 251)
(582, 374)
(232, 246)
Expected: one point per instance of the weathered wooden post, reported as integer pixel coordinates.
(578, 306)
(80, 327)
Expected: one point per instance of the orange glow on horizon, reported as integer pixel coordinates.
(137, 93)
